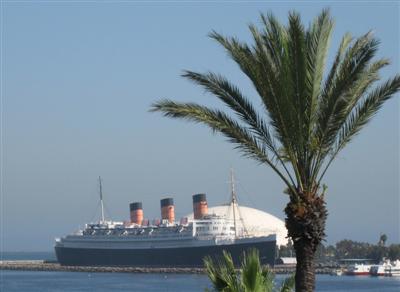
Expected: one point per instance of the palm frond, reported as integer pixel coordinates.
(275, 36)
(254, 63)
(220, 122)
(218, 282)
(344, 44)
(229, 272)
(365, 111)
(355, 94)
(278, 48)
(334, 99)
(239, 52)
(222, 273)
(234, 99)
(288, 284)
(317, 44)
(360, 87)
(351, 99)
(362, 114)
(251, 272)
(295, 62)
(269, 278)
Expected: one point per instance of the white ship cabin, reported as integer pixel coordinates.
(213, 226)
(120, 229)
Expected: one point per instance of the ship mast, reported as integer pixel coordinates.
(233, 200)
(101, 201)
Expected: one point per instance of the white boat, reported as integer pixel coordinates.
(337, 272)
(358, 270)
(393, 269)
(379, 270)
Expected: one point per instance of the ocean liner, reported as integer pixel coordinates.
(163, 243)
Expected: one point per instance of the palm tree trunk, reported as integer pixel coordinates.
(305, 268)
(305, 221)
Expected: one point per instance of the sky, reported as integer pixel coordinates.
(78, 79)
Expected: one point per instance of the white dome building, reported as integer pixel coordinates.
(252, 221)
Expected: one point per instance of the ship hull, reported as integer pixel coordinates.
(161, 257)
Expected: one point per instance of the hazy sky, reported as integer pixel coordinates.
(78, 79)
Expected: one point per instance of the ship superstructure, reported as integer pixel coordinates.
(163, 242)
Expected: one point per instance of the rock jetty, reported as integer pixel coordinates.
(42, 265)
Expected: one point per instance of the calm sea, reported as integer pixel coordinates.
(11, 281)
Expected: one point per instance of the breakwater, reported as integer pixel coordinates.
(41, 265)
(53, 266)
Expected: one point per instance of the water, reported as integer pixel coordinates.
(70, 281)
(13, 281)
(45, 255)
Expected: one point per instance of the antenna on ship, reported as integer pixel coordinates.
(233, 200)
(234, 204)
(101, 201)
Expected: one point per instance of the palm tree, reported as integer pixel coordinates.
(305, 118)
(252, 277)
(382, 239)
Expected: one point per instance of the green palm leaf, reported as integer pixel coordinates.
(362, 114)
(234, 99)
(288, 284)
(222, 273)
(251, 277)
(220, 122)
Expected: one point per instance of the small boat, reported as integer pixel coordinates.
(337, 272)
(358, 270)
(379, 270)
(394, 269)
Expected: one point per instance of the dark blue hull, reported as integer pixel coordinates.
(157, 257)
